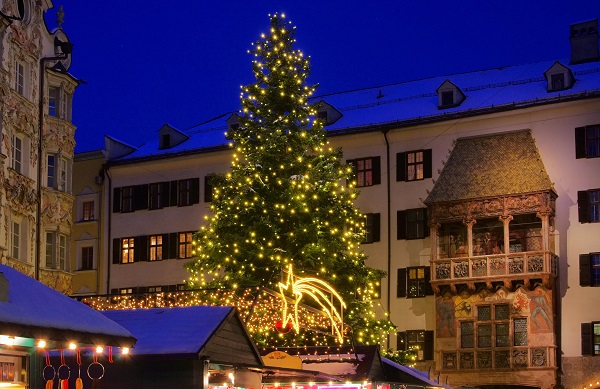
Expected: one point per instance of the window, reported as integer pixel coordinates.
(417, 281)
(412, 224)
(87, 211)
(558, 81)
(56, 251)
(414, 282)
(587, 141)
(156, 247)
(127, 199)
(520, 331)
(184, 193)
(185, 245)
(58, 172)
(419, 340)
(372, 227)
(367, 171)
(590, 338)
(413, 165)
(447, 98)
(53, 101)
(467, 334)
(589, 269)
(87, 258)
(127, 250)
(155, 193)
(154, 289)
(588, 204)
(16, 148)
(15, 240)
(20, 78)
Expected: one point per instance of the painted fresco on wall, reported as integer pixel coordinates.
(535, 304)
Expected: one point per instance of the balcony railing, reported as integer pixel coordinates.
(530, 264)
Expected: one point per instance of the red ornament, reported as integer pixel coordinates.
(281, 328)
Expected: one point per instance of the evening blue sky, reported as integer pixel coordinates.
(148, 62)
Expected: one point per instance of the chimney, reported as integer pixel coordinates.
(584, 42)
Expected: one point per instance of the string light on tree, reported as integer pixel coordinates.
(288, 199)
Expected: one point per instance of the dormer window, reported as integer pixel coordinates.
(169, 137)
(558, 81)
(327, 113)
(233, 122)
(449, 95)
(559, 77)
(447, 98)
(165, 141)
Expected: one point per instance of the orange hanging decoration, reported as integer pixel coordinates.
(78, 381)
(63, 373)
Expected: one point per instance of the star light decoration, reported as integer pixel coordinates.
(288, 198)
(321, 292)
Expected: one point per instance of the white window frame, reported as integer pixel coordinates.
(86, 241)
(16, 233)
(57, 245)
(58, 172)
(16, 153)
(20, 74)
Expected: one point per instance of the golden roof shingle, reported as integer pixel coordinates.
(490, 166)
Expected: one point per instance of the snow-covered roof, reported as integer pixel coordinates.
(413, 103)
(171, 331)
(420, 376)
(30, 309)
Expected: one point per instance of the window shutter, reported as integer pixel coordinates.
(584, 270)
(587, 339)
(173, 245)
(401, 283)
(580, 151)
(428, 287)
(582, 206)
(140, 248)
(401, 343)
(173, 194)
(426, 222)
(164, 193)
(140, 193)
(401, 224)
(116, 251)
(427, 163)
(165, 247)
(428, 346)
(376, 170)
(401, 167)
(376, 227)
(208, 189)
(117, 200)
(195, 191)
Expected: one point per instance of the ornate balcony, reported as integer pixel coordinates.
(521, 267)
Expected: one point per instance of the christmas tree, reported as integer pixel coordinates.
(288, 199)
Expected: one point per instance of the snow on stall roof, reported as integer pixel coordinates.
(418, 374)
(413, 101)
(169, 331)
(33, 304)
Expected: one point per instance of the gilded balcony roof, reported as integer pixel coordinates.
(490, 166)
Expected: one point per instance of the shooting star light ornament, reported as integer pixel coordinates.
(321, 292)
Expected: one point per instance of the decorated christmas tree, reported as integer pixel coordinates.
(288, 200)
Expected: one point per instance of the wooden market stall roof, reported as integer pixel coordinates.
(31, 309)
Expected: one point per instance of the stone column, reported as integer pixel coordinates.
(505, 219)
(470, 223)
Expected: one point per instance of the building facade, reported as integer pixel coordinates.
(480, 193)
(37, 143)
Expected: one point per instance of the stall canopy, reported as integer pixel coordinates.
(189, 332)
(30, 309)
